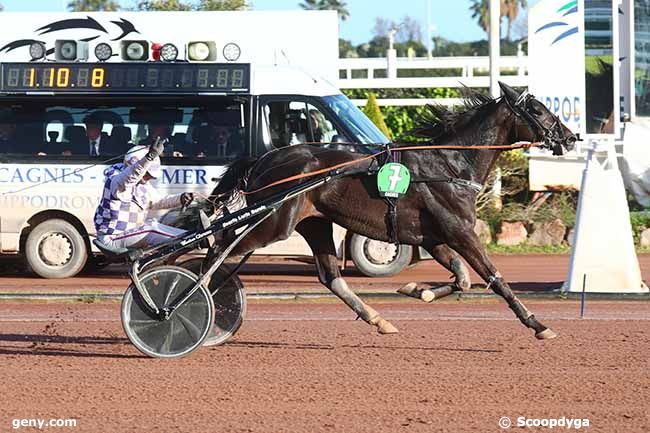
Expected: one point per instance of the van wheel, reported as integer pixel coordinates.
(379, 259)
(55, 249)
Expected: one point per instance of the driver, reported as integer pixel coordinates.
(120, 218)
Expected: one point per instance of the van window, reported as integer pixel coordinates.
(85, 130)
(285, 123)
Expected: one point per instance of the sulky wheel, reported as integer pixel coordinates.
(186, 328)
(229, 303)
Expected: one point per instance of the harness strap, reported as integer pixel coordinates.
(393, 149)
(455, 180)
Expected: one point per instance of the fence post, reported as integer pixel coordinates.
(520, 58)
(391, 58)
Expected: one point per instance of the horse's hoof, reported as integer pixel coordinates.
(464, 285)
(546, 334)
(408, 290)
(385, 327)
(427, 295)
(462, 275)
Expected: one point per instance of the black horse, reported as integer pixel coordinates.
(439, 216)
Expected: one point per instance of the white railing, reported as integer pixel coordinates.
(472, 72)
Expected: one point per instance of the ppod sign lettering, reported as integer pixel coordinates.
(566, 107)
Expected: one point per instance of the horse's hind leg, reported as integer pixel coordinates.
(318, 234)
(451, 261)
(472, 251)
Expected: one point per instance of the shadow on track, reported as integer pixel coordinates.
(54, 345)
(300, 346)
(435, 349)
(273, 345)
(40, 338)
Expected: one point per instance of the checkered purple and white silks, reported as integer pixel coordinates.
(115, 215)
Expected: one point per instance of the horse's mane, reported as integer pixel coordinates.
(235, 177)
(438, 120)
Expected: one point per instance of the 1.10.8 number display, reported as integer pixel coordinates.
(125, 78)
(54, 78)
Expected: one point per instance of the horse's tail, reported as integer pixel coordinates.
(235, 177)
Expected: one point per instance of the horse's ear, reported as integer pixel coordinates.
(508, 92)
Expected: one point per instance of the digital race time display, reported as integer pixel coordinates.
(125, 78)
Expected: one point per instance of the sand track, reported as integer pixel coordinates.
(308, 367)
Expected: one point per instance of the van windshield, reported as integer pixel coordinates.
(94, 128)
(359, 124)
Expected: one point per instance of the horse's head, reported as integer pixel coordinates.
(541, 124)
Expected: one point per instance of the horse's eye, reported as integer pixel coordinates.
(536, 110)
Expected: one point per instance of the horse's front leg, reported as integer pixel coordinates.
(468, 244)
(451, 261)
(318, 234)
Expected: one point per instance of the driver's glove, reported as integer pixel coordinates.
(156, 149)
(186, 198)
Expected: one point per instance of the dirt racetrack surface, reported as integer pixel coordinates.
(309, 367)
(530, 272)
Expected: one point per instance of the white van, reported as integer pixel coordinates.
(71, 107)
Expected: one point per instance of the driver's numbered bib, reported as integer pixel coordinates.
(393, 180)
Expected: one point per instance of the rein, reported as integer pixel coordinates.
(392, 149)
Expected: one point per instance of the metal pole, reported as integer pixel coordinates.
(583, 297)
(429, 48)
(391, 53)
(494, 39)
(632, 58)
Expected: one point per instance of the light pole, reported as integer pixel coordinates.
(391, 54)
(429, 49)
(495, 24)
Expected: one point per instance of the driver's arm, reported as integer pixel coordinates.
(159, 201)
(131, 175)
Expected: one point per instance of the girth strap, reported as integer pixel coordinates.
(391, 220)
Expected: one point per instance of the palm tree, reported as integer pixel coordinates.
(509, 9)
(481, 11)
(323, 5)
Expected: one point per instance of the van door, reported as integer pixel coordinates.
(285, 121)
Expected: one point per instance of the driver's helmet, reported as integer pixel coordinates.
(137, 153)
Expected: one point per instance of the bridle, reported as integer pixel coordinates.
(552, 136)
